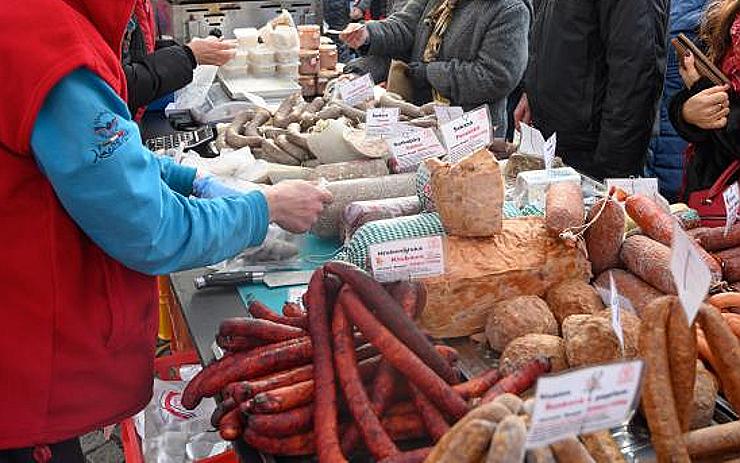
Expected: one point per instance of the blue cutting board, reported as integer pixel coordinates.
(314, 252)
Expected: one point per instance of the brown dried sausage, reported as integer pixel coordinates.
(604, 237)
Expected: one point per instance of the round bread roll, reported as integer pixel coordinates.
(631, 329)
(705, 397)
(516, 317)
(531, 347)
(590, 340)
(572, 297)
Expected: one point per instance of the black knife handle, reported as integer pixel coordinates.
(228, 279)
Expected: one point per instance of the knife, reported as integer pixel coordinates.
(271, 280)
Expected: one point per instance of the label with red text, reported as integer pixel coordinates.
(407, 259)
(467, 134)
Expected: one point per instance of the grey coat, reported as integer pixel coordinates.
(483, 55)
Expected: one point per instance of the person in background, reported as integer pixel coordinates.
(706, 115)
(88, 215)
(156, 68)
(595, 76)
(376, 65)
(339, 13)
(462, 53)
(666, 151)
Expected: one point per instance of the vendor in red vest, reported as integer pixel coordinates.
(87, 215)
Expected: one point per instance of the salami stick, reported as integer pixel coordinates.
(726, 349)
(376, 439)
(325, 416)
(682, 362)
(434, 421)
(657, 393)
(261, 311)
(402, 359)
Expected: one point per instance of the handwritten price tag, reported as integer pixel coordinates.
(549, 151)
(732, 202)
(467, 134)
(405, 259)
(584, 401)
(357, 91)
(380, 122)
(411, 147)
(616, 312)
(531, 141)
(690, 274)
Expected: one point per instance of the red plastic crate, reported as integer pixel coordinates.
(165, 368)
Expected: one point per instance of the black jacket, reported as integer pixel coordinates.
(714, 150)
(151, 76)
(595, 76)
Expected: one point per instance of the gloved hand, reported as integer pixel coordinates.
(417, 72)
(210, 187)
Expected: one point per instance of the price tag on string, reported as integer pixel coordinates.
(583, 401)
(732, 202)
(381, 122)
(411, 147)
(446, 114)
(406, 259)
(549, 151)
(616, 312)
(357, 91)
(467, 134)
(690, 274)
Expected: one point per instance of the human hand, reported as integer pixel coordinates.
(355, 35)
(522, 113)
(417, 72)
(295, 205)
(708, 109)
(355, 14)
(687, 69)
(212, 50)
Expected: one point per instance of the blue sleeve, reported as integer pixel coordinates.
(178, 178)
(91, 152)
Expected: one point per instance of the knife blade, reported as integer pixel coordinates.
(271, 280)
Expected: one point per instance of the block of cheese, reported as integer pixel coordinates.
(522, 260)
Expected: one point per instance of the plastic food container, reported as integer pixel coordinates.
(328, 56)
(239, 60)
(289, 56)
(309, 62)
(310, 36)
(288, 70)
(283, 37)
(247, 37)
(261, 54)
(308, 85)
(262, 70)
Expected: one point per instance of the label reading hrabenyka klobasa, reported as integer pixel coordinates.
(406, 259)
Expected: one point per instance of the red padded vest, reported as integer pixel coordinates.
(77, 329)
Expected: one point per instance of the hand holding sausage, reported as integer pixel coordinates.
(522, 113)
(708, 109)
(687, 69)
(355, 35)
(295, 205)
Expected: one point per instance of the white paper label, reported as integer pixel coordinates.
(411, 147)
(583, 401)
(645, 186)
(732, 201)
(532, 141)
(357, 91)
(446, 114)
(380, 122)
(690, 274)
(467, 134)
(405, 259)
(616, 313)
(549, 151)
(295, 294)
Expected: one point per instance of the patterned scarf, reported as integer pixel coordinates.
(731, 61)
(439, 18)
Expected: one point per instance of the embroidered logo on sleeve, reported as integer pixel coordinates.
(108, 135)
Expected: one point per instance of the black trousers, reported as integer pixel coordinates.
(68, 451)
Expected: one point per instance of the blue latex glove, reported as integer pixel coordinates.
(210, 187)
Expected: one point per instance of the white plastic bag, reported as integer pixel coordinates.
(194, 94)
